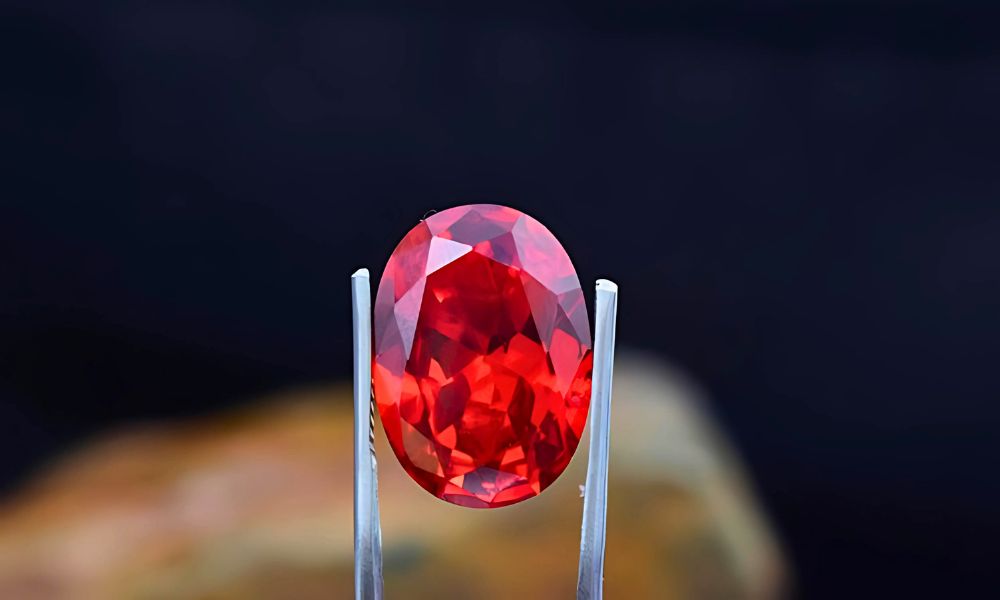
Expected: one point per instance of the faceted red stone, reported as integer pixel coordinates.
(482, 355)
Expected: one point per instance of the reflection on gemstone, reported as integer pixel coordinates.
(482, 355)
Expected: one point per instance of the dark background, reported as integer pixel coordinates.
(799, 201)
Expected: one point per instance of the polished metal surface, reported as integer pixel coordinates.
(367, 531)
(590, 581)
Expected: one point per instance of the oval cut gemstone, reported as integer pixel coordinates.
(483, 356)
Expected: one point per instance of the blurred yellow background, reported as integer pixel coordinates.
(258, 504)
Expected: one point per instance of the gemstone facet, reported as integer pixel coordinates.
(483, 358)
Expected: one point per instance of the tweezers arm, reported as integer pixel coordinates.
(590, 582)
(367, 531)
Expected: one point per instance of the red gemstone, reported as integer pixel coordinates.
(482, 355)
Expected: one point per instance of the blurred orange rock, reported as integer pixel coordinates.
(257, 504)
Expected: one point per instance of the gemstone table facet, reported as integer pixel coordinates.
(483, 358)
